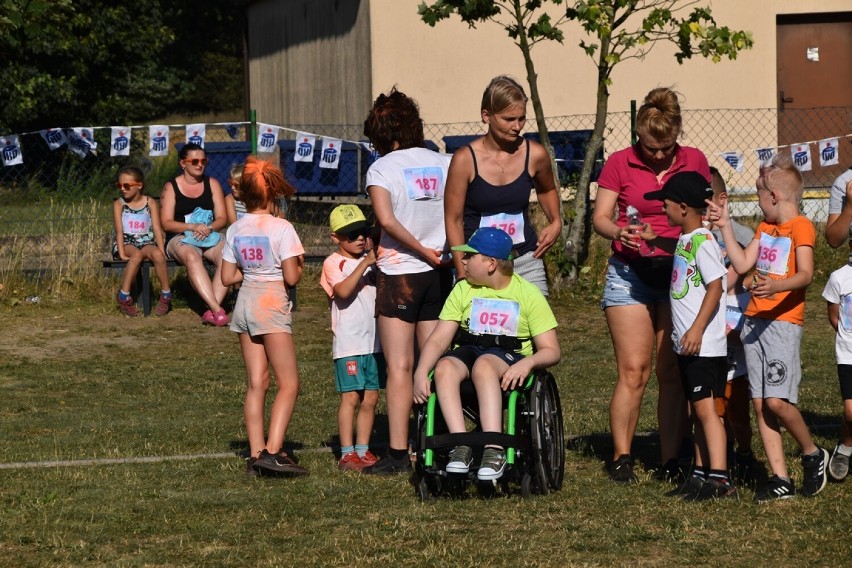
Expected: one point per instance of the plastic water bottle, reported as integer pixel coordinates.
(633, 218)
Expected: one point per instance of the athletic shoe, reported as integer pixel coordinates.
(672, 472)
(127, 306)
(219, 319)
(776, 488)
(278, 463)
(389, 466)
(745, 467)
(350, 461)
(369, 459)
(163, 306)
(688, 489)
(712, 489)
(460, 459)
(815, 474)
(621, 470)
(492, 465)
(838, 465)
(250, 470)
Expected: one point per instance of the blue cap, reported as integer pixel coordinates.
(489, 241)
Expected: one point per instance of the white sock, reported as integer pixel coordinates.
(844, 450)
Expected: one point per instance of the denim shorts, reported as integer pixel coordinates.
(624, 288)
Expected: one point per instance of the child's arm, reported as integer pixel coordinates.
(436, 344)
(837, 226)
(119, 229)
(231, 209)
(765, 286)
(231, 274)
(220, 213)
(349, 285)
(690, 343)
(159, 237)
(292, 269)
(742, 259)
(546, 354)
(833, 314)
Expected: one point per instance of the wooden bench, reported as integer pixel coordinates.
(142, 283)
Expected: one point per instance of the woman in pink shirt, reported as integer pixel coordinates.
(636, 295)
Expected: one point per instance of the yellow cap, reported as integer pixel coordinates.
(346, 217)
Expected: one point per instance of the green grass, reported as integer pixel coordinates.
(79, 381)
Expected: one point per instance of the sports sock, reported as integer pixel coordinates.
(166, 294)
(398, 455)
(719, 475)
(361, 449)
(123, 296)
(699, 472)
(346, 449)
(844, 450)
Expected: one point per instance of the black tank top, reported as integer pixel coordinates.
(186, 205)
(484, 199)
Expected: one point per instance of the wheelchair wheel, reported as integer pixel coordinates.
(548, 436)
(526, 485)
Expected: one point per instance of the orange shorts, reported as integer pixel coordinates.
(735, 388)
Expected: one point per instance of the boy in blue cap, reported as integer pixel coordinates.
(495, 318)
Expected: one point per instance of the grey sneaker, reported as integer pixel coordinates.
(460, 459)
(492, 465)
(838, 465)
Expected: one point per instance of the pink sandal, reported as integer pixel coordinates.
(219, 319)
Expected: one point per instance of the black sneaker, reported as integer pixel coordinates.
(621, 470)
(278, 463)
(688, 489)
(815, 474)
(712, 489)
(745, 467)
(389, 466)
(250, 470)
(672, 472)
(776, 488)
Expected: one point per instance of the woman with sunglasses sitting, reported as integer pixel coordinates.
(192, 211)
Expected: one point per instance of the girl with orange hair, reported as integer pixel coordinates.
(265, 254)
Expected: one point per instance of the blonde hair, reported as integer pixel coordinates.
(781, 176)
(505, 267)
(236, 173)
(502, 93)
(659, 116)
(717, 182)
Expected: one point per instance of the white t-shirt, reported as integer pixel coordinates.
(837, 197)
(353, 321)
(415, 179)
(697, 262)
(258, 244)
(838, 290)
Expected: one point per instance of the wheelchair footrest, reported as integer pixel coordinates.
(476, 439)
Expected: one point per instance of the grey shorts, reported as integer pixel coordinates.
(532, 270)
(262, 307)
(772, 358)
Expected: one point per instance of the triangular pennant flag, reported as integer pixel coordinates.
(372, 153)
(195, 134)
(232, 130)
(10, 146)
(828, 152)
(53, 137)
(765, 154)
(734, 159)
(119, 144)
(267, 137)
(81, 141)
(802, 156)
(158, 140)
(305, 144)
(330, 156)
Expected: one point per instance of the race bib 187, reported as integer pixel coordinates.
(424, 183)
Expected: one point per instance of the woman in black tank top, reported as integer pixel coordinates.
(490, 180)
(179, 198)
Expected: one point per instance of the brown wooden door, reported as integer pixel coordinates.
(815, 86)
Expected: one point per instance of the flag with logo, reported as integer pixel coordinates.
(305, 144)
(53, 137)
(10, 146)
(267, 137)
(802, 156)
(119, 142)
(81, 141)
(828, 152)
(765, 154)
(158, 140)
(195, 134)
(330, 156)
(734, 159)
(232, 130)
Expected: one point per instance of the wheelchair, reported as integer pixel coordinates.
(533, 440)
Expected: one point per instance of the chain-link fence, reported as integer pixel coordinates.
(56, 204)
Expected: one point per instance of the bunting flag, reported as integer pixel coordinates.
(305, 144)
(828, 154)
(11, 149)
(330, 156)
(158, 140)
(232, 130)
(372, 153)
(119, 141)
(802, 156)
(195, 134)
(267, 137)
(53, 137)
(81, 141)
(765, 154)
(734, 159)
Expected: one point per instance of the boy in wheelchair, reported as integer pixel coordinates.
(501, 328)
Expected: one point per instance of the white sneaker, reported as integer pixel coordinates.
(492, 465)
(838, 465)
(460, 459)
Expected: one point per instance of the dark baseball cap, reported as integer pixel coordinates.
(689, 188)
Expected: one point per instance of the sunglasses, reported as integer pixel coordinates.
(127, 186)
(196, 161)
(353, 235)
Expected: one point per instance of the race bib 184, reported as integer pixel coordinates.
(494, 317)
(253, 252)
(135, 223)
(424, 183)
